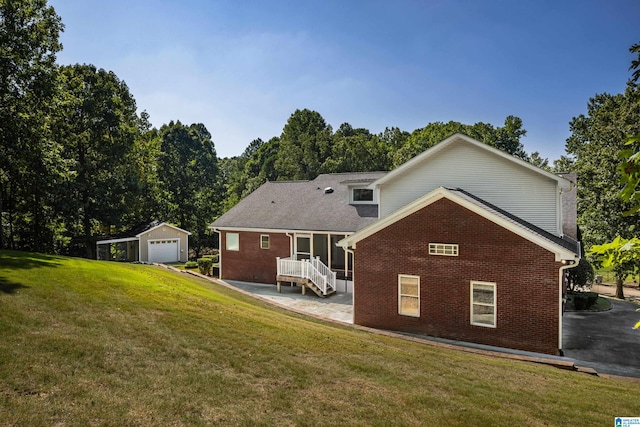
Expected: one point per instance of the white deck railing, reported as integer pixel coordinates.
(313, 270)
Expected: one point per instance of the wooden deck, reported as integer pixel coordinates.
(309, 273)
(304, 283)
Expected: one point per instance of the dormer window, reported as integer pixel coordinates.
(362, 195)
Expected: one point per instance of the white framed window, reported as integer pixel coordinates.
(362, 195)
(264, 241)
(409, 295)
(446, 249)
(233, 242)
(483, 304)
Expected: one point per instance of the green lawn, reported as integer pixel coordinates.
(97, 343)
(609, 277)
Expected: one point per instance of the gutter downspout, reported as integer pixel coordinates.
(561, 272)
(215, 230)
(353, 277)
(290, 244)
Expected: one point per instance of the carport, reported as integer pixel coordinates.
(152, 241)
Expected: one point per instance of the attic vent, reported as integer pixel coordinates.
(328, 190)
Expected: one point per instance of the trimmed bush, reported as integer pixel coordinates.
(205, 266)
(584, 300)
(191, 264)
(580, 301)
(214, 258)
(592, 297)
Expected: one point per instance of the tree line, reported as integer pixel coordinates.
(605, 149)
(77, 161)
(308, 146)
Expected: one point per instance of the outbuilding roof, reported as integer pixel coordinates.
(321, 204)
(136, 231)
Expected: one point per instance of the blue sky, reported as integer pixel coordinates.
(243, 67)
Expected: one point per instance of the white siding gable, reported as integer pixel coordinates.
(530, 195)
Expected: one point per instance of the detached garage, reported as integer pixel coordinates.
(150, 242)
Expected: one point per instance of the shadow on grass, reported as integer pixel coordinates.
(7, 287)
(26, 260)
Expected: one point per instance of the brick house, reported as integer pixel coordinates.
(463, 242)
(295, 221)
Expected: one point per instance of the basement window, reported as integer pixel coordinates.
(483, 304)
(233, 242)
(409, 295)
(446, 249)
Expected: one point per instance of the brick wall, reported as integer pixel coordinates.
(525, 274)
(251, 263)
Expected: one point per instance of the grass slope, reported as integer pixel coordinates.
(96, 343)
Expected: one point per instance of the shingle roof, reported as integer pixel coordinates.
(133, 231)
(304, 205)
(566, 242)
(562, 247)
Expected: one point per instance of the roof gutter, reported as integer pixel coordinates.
(124, 239)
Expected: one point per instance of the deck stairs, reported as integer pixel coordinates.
(310, 273)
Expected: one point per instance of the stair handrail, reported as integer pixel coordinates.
(314, 270)
(328, 275)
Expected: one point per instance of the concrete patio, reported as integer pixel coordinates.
(338, 307)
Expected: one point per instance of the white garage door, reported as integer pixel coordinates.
(163, 250)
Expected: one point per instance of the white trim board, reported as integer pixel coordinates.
(124, 239)
(164, 224)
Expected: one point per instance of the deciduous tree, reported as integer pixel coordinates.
(356, 150)
(506, 138)
(96, 123)
(630, 167)
(305, 144)
(596, 140)
(144, 198)
(188, 178)
(30, 162)
(621, 254)
(538, 161)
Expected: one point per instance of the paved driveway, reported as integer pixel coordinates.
(606, 340)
